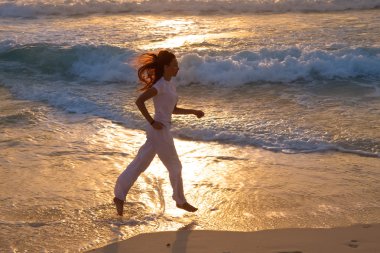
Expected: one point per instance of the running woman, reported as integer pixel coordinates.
(155, 73)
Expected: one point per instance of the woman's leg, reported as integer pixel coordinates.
(168, 155)
(141, 162)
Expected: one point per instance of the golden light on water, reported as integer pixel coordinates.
(188, 40)
(176, 27)
(184, 32)
(175, 24)
(177, 41)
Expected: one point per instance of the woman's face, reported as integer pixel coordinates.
(172, 68)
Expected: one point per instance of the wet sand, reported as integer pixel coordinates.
(59, 170)
(358, 238)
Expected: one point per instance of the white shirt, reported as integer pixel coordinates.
(165, 101)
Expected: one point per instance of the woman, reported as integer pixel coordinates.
(155, 74)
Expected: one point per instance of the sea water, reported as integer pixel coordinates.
(291, 135)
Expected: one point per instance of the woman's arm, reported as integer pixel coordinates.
(198, 113)
(140, 102)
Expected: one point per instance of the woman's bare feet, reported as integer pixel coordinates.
(119, 205)
(186, 206)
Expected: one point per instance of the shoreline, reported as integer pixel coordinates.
(356, 238)
(235, 188)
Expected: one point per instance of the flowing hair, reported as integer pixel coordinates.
(151, 67)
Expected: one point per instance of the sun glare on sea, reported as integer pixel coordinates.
(176, 33)
(177, 41)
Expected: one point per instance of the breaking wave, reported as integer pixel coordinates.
(111, 64)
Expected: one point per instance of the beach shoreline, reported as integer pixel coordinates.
(236, 188)
(356, 238)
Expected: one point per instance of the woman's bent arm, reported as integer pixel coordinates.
(140, 102)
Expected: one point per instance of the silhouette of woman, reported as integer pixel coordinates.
(155, 73)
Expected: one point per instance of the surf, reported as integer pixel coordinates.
(32, 9)
(106, 63)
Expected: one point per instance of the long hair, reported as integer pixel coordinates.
(151, 67)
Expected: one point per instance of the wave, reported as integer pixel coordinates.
(96, 63)
(23, 8)
(21, 67)
(281, 65)
(112, 64)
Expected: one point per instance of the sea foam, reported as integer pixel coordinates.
(22, 8)
(113, 64)
(280, 65)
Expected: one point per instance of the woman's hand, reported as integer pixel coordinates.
(157, 125)
(199, 113)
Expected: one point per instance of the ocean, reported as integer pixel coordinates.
(290, 137)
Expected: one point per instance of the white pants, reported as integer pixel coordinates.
(158, 142)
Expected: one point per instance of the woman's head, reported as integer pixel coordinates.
(153, 66)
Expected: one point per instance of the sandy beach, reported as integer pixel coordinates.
(237, 189)
(358, 238)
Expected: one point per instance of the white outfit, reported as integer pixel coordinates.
(160, 142)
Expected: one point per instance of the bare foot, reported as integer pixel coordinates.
(186, 206)
(119, 205)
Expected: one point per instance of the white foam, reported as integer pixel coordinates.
(25, 8)
(285, 65)
(103, 64)
(279, 65)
